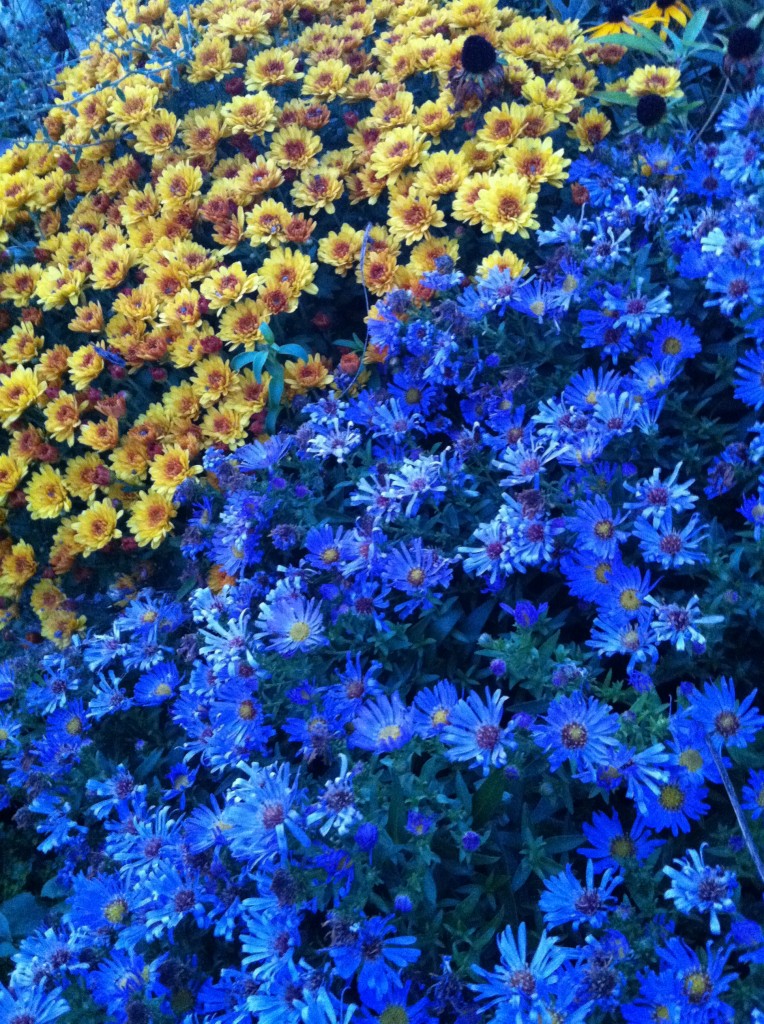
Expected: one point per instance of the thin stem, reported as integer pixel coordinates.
(752, 849)
(713, 113)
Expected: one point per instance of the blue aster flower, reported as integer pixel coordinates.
(701, 981)
(696, 886)
(474, 733)
(753, 510)
(433, 708)
(671, 546)
(674, 339)
(675, 806)
(265, 806)
(753, 794)
(291, 625)
(597, 527)
(749, 383)
(376, 955)
(31, 1005)
(382, 726)
(613, 846)
(657, 499)
(515, 976)
(723, 716)
(157, 685)
(566, 901)
(577, 729)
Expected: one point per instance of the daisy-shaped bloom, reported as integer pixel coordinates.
(753, 794)
(577, 728)
(612, 845)
(382, 726)
(433, 709)
(291, 625)
(474, 733)
(698, 886)
(677, 803)
(566, 901)
(514, 976)
(724, 717)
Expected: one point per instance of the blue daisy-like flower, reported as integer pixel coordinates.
(724, 717)
(753, 794)
(674, 339)
(596, 526)
(612, 845)
(382, 726)
(566, 901)
(675, 806)
(577, 729)
(514, 975)
(698, 886)
(474, 733)
(433, 708)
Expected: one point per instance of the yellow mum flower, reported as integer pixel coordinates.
(272, 67)
(46, 597)
(156, 133)
(101, 436)
(47, 497)
(96, 527)
(442, 172)
(130, 462)
(212, 379)
(295, 147)
(590, 130)
(62, 417)
(227, 284)
(252, 115)
(85, 364)
(61, 626)
(318, 190)
(18, 284)
(326, 80)
(178, 183)
(303, 375)
(240, 324)
(558, 95)
(507, 206)
(84, 475)
(151, 518)
(340, 249)
(59, 285)
(138, 99)
(18, 390)
(226, 425)
(22, 344)
(268, 222)
(202, 131)
(87, 319)
(434, 117)
(502, 125)
(504, 260)
(411, 217)
(652, 80)
(537, 162)
(467, 195)
(170, 469)
(213, 59)
(17, 566)
(11, 473)
(398, 149)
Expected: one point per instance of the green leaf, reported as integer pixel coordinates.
(487, 800)
(293, 349)
(23, 914)
(267, 333)
(254, 359)
(521, 875)
(695, 26)
(396, 818)
(53, 890)
(5, 931)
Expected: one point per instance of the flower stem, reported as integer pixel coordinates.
(748, 838)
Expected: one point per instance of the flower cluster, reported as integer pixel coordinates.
(436, 701)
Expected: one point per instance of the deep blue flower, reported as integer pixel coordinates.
(376, 954)
(157, 685)
(657, 499)
(674, 339)
(432, 709)
(515, 976)
(577, 729)
(753, 794)
(474, 733)
(698, 886)
(612, 845)
(31, 1005)
(723, 716)
(675, 806)
(597, 527)
(566, 901)
(749, 383)
(291, 625)
(382, 726)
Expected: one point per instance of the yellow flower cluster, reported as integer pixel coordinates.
(163, 234)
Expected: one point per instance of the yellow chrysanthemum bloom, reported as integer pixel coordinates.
(17, 567)
(46, 597)
(326, 80)
(212, 379)
(226, 425)
(87, 319)
(590, 130)
(58, 285)
(213, 59)
(18, 390)
(303, 375)
(84, 475)
(240, 324)
(411, 217)
(101, 436)
(12, 472)
(398, 149)
(96, 527)
(503, 259)
(130, 462)
(341, 249)
(138, 99)
(272, 67)
(253, 115)
(18, 284)
(22, 344)
(62, 417)
(227, 284)
(507, 206)
(178, 183)
(295, 147)
(538, 162)
(85, 364)
(156, 133)
(170, 469)
(47, 497)
(653, 80)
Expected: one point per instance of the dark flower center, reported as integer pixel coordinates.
(478, 55)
